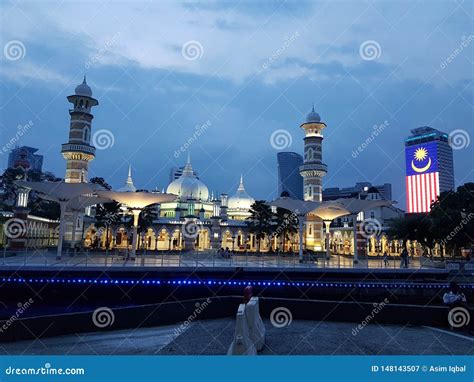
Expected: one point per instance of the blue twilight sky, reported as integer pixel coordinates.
(250, 71)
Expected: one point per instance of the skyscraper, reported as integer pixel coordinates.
(429, 168)
(289, 178)
(25, 158)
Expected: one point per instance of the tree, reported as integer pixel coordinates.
(284, 224)
(452, 216)
(259, 221)
(102, 182)
(107, 214)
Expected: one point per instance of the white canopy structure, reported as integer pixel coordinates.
(136, 201)
(62, 193)
(327, 211)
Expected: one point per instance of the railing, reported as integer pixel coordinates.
(116, 258)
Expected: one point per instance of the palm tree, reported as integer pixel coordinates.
(107, 214)
(259, 221)
(284, 224)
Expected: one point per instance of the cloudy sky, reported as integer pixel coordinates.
(244, 74)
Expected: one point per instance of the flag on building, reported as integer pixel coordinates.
(422, 177)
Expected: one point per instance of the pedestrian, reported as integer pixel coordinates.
(385, 258)
(404, 258)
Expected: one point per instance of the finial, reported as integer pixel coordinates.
(189, 158)
(313, 109)
(129, 171)
(84, 81)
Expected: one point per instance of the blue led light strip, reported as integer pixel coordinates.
(232, 283)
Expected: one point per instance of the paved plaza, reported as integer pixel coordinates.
(212, 337)
(41, 258)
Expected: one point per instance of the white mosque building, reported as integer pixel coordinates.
(220, 220)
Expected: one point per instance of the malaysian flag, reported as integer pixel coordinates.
(422, 177)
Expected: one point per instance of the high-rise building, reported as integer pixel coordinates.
(312, 170)
(429, 168)
(25, 158)
(360, 190)
(289, 177)
(78, 151)
(176, 172)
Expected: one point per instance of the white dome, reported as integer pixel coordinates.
(241, 200)
(129, 186)
(188, 186)
(83, 89)
(313, 117)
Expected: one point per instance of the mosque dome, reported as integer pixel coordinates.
(241, 200)
(188, 185)
(83, 89)
(313, 117)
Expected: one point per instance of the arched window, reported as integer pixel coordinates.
(86, 135)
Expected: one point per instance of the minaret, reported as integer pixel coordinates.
(312, 170)
(78, 151)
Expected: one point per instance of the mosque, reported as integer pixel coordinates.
(217, 220)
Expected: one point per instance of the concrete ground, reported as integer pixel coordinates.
(213, 337)
(43, 258)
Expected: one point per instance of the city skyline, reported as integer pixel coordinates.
(151, 108)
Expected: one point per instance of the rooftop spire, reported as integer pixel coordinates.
(188, 169)
(241, 185)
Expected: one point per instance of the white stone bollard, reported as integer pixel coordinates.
(255, 323)
(242, 344)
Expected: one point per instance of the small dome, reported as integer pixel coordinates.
(285, 194)
(313, 117)
(129, 186)
(241, 200)
(188, 186)
(373, 190)
(83, 89)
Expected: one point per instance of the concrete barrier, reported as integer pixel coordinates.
(242, 344)
(255, 323)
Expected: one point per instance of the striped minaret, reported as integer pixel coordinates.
(312, 170)
(78, 151)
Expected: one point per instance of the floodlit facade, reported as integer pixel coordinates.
(429, 168)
